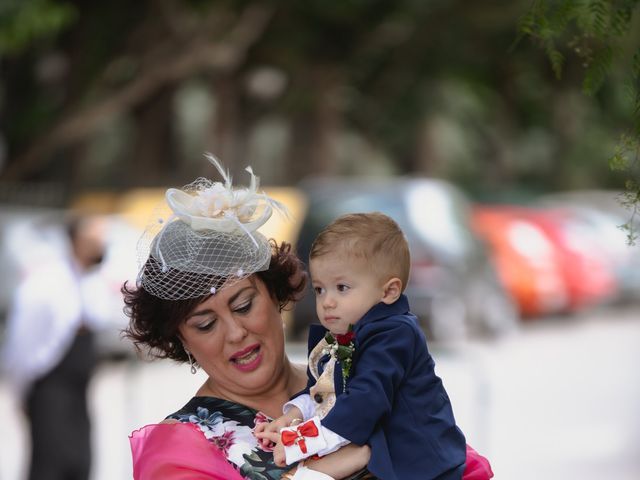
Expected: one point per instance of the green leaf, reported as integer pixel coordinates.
(24, 22)
(251, 471)
(253, 456)
(564, 13)
(254, 475)
(635, 66)
(621, 19)
(598, 70)
(599, 17)
(556, 58)
(344, 352)
(618, 162)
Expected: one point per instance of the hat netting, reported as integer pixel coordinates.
(209, 241)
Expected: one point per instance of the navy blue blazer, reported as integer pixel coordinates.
(394, 401)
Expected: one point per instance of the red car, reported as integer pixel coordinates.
(587, 269)
(525, 259)
(584, 270)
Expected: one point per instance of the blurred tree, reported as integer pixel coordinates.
(425, 87)
(25, 21)
(124, 57)
(597, 31)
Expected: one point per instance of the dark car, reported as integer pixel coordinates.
(453, 287)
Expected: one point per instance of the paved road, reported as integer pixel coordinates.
(560, 400)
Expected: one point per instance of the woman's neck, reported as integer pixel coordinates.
(291, 380)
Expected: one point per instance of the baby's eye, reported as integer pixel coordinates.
(342, 287)
(318, 290)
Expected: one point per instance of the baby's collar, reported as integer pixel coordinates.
(382, 310)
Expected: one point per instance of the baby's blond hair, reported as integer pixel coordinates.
(373, 237)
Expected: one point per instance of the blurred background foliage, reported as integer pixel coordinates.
(597, 32)
(119, 94)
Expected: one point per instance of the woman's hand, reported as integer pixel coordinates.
(279, 457)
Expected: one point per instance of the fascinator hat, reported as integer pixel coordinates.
(209, 240)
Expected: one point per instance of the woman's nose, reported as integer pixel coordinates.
(236, 330)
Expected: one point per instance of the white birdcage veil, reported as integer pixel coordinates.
(209, 241)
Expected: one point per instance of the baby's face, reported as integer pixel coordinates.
(345, 290)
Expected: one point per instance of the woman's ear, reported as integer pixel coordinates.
(391, 290)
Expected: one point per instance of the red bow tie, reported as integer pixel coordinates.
(307, 429)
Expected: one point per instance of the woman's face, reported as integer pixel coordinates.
(237, 337)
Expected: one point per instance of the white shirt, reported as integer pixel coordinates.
(307, 409)
(47, 310)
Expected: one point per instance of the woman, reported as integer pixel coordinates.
(211, 292)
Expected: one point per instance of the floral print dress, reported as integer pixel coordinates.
(229, 426)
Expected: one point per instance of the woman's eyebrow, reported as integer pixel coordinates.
(199, 313)
(240, 292)
(232, 299)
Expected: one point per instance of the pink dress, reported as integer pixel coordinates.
(210, 442)
(177, 451)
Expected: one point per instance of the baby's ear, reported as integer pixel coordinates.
(391, 290)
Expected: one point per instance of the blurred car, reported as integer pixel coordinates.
(587, 270)
(453, 288)
(601, 211)
(584, 268)
(526, 260)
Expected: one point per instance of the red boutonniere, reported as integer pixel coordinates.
(341, 347)
(346, 338)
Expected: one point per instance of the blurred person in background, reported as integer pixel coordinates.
(49, 353)
(210, 293)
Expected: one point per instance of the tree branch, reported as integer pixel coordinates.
(197, 56)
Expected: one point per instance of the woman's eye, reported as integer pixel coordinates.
(342, 288)
(206, 326)
(244, 308)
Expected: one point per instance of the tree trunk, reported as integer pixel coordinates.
(154, 161)
(316, 129)
(427, 158)
(228, 141)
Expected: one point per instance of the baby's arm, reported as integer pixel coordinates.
(332, 467)
(292, 416)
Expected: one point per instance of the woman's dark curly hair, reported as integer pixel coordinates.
(154, 322)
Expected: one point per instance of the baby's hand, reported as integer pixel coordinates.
(270, 436)
(265, 433)
(265, 427)
(269, 433)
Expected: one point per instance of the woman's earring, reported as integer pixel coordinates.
(191, 362)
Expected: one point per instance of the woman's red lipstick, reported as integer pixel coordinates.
(247, 359)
